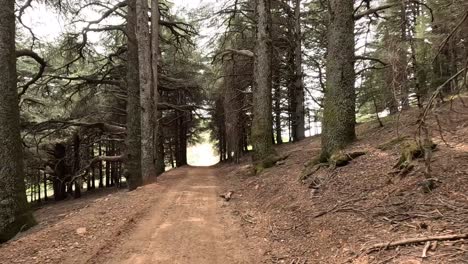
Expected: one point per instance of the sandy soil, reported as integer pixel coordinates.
(179, 219)
(188, 225)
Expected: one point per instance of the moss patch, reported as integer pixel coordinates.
(392, 143)
(410, 150)
(268, 162)
(340, 159)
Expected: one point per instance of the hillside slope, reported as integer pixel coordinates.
(338, 214)
(335, 216)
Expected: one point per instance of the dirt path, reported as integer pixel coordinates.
(187, 225)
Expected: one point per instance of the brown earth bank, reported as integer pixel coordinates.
(335, 216)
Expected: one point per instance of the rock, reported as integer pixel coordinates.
(81, 231)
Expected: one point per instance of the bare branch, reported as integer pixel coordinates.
(42, 66)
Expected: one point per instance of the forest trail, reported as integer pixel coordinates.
(187, 225)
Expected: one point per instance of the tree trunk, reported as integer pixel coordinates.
(159, 168)
(160, 157)
(114, 166)
(403, 58)
(38, 186)
(181, 146)
(108, 167)
(262, 98)
(277, 99)
(14, 210)
(90, 172)
(298, 114)
(45, 187)
(76, 165)
(133, 141)
(101, 183)
(339, 117)
(148, 168)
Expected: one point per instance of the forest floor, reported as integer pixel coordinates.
(338, 214)
(179, 219)
(333, 217)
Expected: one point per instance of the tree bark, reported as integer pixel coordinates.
(14, 210)
(108, 166)
(76, 165)
(45, 187)
(100, 167)
(339, 116)
(277, 96)
(160, 157)
(298, 115)
(262, 98)
(403, 58)
(155, 16)
(133, 161)
(60, 172)
(146, 90)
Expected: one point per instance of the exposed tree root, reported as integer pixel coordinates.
(269, 162)
(341, 159)
(338, 159)
(410, 151)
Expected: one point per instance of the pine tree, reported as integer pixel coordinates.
(339, 114)
(14, 210)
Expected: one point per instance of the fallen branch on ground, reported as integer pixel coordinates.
(416, 240)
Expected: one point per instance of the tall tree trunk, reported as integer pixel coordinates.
(403, 58)
(277, 98)
(133, 141)
(108, 167)
(88, 156)
(181, 147)
(45, 187)
(339, 116)
(298, 114)
(14, 210)
(38, 184)
(76, 165)
(146, 90)
(154, 65)
(60, 172)
(101, 183)
(262, 98)
(160, 157)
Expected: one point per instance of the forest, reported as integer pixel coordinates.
(340, 127)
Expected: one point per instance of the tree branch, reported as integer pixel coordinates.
(373, 11)
(42, 66)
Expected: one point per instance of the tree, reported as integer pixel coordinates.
(133, 140)
(339, 114)
(146, 90)
(262, 98)
(155, 16)
(14, 210)
(298, 111)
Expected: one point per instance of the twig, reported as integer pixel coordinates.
(340, 207)
(416, 240)
(426, 248)
(444, 42)
(247, 220)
